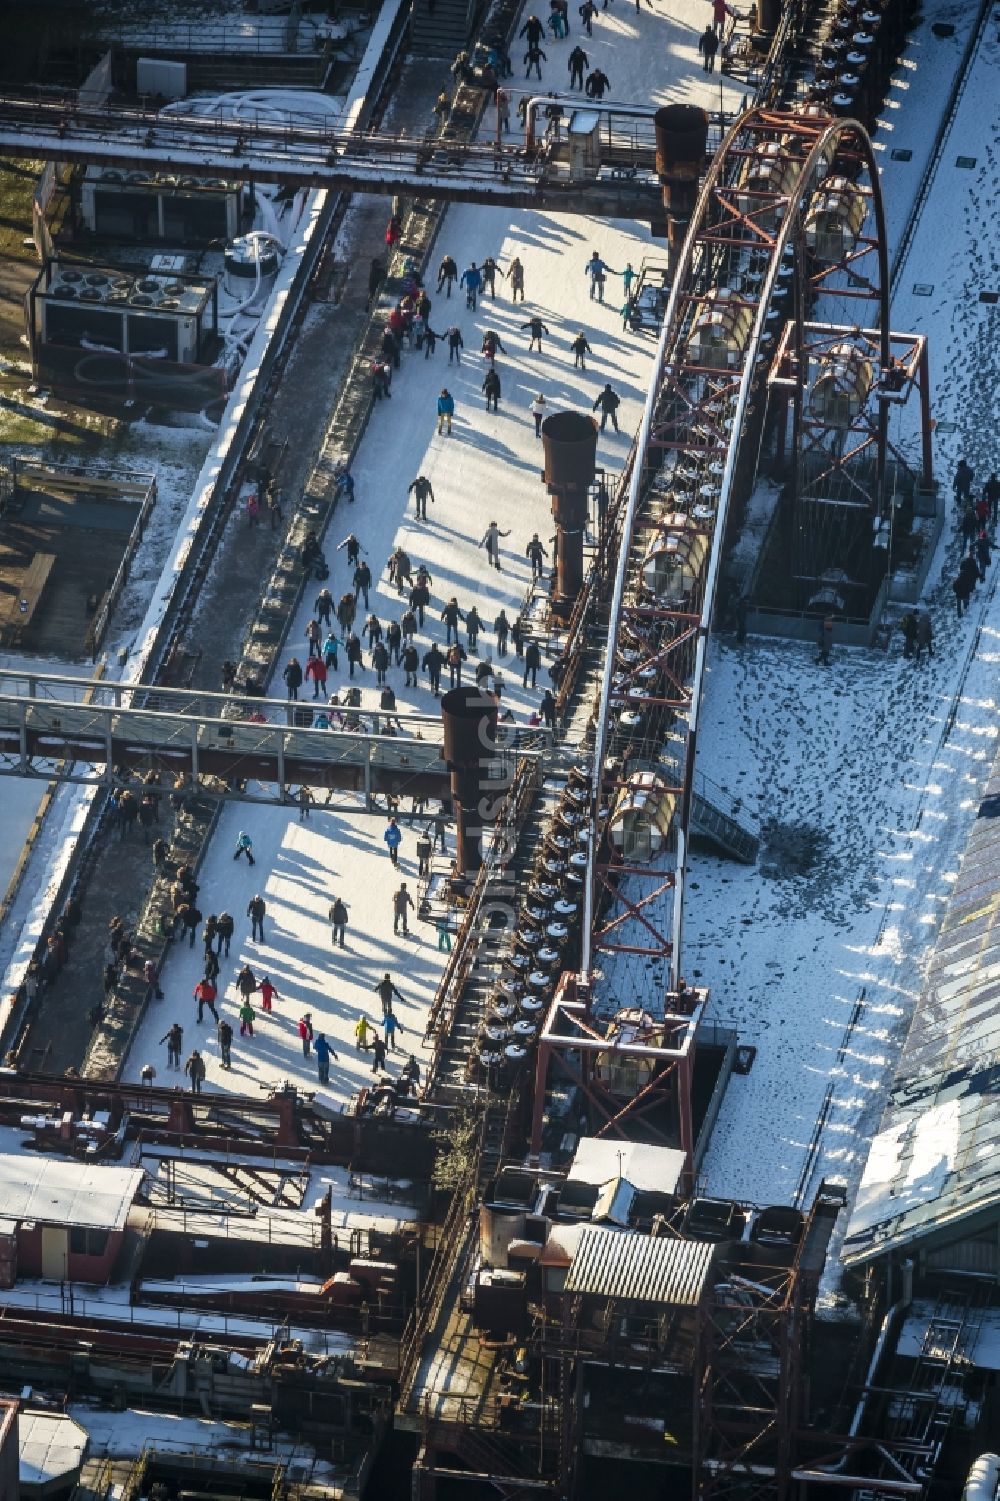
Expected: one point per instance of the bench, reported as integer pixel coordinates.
(18, 609)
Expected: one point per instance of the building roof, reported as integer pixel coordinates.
(935, 1160)
(58, 1191)
(640, 1268)
(51, 1446)
(649, 1169)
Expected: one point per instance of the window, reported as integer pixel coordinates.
(87, 1242)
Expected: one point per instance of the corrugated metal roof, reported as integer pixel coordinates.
(627, 1264)
(935, 1160)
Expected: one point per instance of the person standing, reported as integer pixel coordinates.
(455, 344)
(402, 901)
(445, 410)
(515, 275)
(174, 1040)
(538, 413)
(195, 1069)
(473, 625)
(256, 909)
(306, 1033)
(393, 838)
(547, 709)
(925, 635)
(293, 677)
(410, 663)
(597, 83)
(580, 349)
(534, 57)
(361, 1029)
(962, 483)
(392, 1025)
(378, 1054)
(471, 279)
(205, 994)
(305, 800)
(424, 849)
(535, 552)
(225, 931)
(447, 274)
(225, 1035)
(708, 45)
(362, 581)
(501, 627)
(324, 1052)
(588, 10)
(532, 662)
(444, 935)
(246, 1015)
(338, 919)
(432, 665)
(454, 657)
(451, 615)
(316, 673)
(491, 390)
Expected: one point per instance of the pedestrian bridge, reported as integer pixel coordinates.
(101, 733)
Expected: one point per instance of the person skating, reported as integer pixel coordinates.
(380, 662)
(293, 677)
(381, 380)
(580, 349)
(378, 1054)
(331, 648)
(410, 664)
(424, 851)
(310, 552)
(420, 598)
(361, 1029)
(354, 653)
(455, 656)
(393, 231)
(244, 846)
(392, 1025)
(609, 402)
(515, 274)
(443, 934)
(471, 279)
(445, 410)
(256, 909)
(267, 994)
(247, 1017)
(394, 640)
(534, 57)
(533, 30)
(206, 994)
(408, 626)
(535, 552)
(991, 494)
(393, 838)
(338, 920)
(491, 390)
(597, 269)
(402, 901)
(347, 610)
(313, 638)
(398, 566)
(473, 625)
(224, 1032)
(372, 627)
(597, 83)
(491, 343)
(191, 917)
(578, 60)
(316, 674)
(195, 1070)
(306, 1033)
(353, 548)
(447, 274)
(432, 664)
(455, 344)
(174, 1039)
(422, 491)
(488, 271)
(547, 709)
(225, 929)
(491, 541)
(708, 46)
(362, 581)
(588, 10)
(323, 605)
(385, 990)
(501, 628)
(537, 328)
(451, 615)
(324, 1052)
(532, 662)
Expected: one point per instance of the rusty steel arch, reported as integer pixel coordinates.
(745, 289)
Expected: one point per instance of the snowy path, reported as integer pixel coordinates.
(489, 468)
(869, 771)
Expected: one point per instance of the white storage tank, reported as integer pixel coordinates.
(252, 261)
(675, 560)
(834, 219)
(770, 173)
(722, 324)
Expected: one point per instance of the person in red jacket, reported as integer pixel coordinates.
(205, 994)
(316, 674)
(267, 994)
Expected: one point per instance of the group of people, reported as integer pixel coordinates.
(976, 515)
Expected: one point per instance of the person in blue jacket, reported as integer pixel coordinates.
(393, 837)
(446, 409)
(471, 280)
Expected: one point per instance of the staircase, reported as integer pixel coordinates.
(717, 818)
(441, 28)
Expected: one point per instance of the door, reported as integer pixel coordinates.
(55, 1251)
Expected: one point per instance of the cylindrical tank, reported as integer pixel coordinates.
(241, 260)
(641, 815)
(722, 324)
(841, 388)
(767, 179)
(984, 1479)
(569, 446)
(675, 560)
(469, 721)
(834, 219)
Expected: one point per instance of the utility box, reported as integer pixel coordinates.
(584, 145)
(162, 77)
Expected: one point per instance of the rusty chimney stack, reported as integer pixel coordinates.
(469, 720)
(681, 147)
(569, 441)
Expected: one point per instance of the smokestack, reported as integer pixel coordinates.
(569, 441)
(469, 720)
(681, 147)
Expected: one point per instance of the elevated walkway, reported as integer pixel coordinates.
(441, 28)
(716, 818)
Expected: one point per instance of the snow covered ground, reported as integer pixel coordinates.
(488, 469)
(865, 774)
